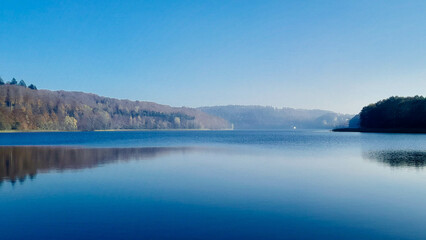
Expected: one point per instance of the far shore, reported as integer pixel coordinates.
(112, 130)
(381, 130)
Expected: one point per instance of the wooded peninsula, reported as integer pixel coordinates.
(393, 115)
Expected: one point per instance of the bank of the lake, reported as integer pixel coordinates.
(381, 130)
(113, 130)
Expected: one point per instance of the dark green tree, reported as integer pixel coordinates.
(13, 82)
(32, 86)
(1, 81)
(22, 83)
(395, 112)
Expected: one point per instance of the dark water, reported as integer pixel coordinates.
(212, 185)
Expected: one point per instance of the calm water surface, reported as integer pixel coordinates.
(212, 185)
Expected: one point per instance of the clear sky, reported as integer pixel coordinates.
(335, 55)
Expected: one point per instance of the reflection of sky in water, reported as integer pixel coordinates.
(259, 185)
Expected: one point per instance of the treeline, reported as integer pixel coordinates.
(25, 109)
(15, 82)
(395, 113)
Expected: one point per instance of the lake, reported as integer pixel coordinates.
(212, 185)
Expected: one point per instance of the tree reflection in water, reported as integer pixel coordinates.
(402, 158)
(20, 163)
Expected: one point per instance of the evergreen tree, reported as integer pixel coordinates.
(1, 81)
(22, 83)
(32, 86)
(13, 82)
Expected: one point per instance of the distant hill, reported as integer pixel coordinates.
(22, 108)
(395, 114)
(260, 117)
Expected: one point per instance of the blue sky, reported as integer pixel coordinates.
(335, 55)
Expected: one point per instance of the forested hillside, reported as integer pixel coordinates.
(260, 117)
(394, 113)
(22, 108)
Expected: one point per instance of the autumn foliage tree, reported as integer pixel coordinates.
(25, 109)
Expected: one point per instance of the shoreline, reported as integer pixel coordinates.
(382, 130)
(112, 130)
